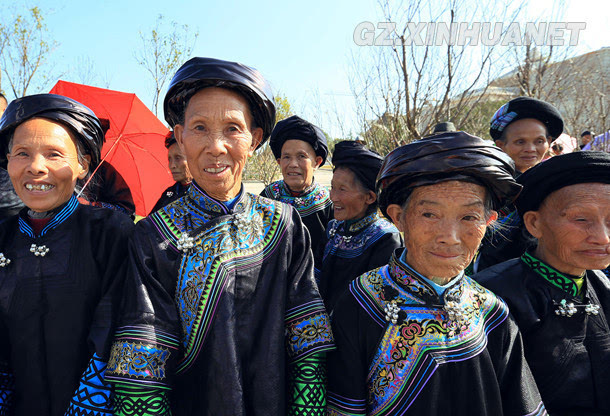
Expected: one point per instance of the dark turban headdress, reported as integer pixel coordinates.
(558, 172)
(79, 118)
(444, 157)
(170, 139)
(295, 128)
(526, 107)
(199, 73)
(363, 162)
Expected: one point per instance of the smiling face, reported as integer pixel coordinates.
(350, 199)
(43, 164)
(298, 163)
(525, 141)
(573, 228)
(177, 165)
(443, 225)
(217, 138)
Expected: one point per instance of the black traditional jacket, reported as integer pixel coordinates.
(353, 249)
(403, 350)
(566, 337)
(221, 305)
(59, 294)
(177, 190)
(313, 205)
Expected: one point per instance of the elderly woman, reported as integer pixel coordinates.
(61, 264)
(523, 128)
(300, 149)
(180, 173)
(221, 304)
(417, 336)
(359, 240)
(555, 291)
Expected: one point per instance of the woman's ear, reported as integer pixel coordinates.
(370, 198)
(318, 161)
(84, 166)
(531, 220)
(395, 212)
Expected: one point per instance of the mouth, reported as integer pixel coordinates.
(293, 174)
(447, 256)
(215, 170)
(600, 253)
(39, 187)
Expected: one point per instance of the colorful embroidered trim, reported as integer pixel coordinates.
(139, 356)
(344, 406)
(315, 199)
(551, 275)
(307, 330)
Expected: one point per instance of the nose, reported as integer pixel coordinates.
(448, 232)
(529, 147)
(37, 165)
(215, 144)
(599, 233)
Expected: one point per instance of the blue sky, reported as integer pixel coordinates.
(303, 48)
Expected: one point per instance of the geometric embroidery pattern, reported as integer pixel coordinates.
(551, 275)
(140, 402)
(93, 396)
(308, 387)
(6, 392)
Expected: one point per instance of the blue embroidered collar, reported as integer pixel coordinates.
(58, 219)
(417, 286)
(213, 206)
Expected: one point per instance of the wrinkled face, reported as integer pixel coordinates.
(43, 164)
(573, 228)
(3, 105)
(217, 139)
(298, 163)
(525, 142)
(177, 165)
(350, 199)
(443, 225)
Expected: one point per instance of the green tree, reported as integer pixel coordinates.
(263, 166)
(163, 52)
(25, 46)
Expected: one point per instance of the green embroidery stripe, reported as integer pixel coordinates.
(140, 402)
(551, 275)
(308, 387)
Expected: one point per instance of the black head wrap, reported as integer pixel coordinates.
(199, 73)
(79, 118)
(364, 163)
(526, 107)
(558, 172)
(295, 128)
(444, 157)
(170, 139)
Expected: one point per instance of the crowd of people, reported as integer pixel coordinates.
(452, 276)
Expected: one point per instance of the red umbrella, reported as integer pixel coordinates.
(134, 143)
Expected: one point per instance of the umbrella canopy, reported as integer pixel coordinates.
(134, 143)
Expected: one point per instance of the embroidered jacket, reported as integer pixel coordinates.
(313, 205)
(565, 331)
(221, 304)
(353, 249)
(402, 349)
(59, 297)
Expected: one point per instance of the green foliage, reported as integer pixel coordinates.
(263, 166)
(163, 52)
(25, 47)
